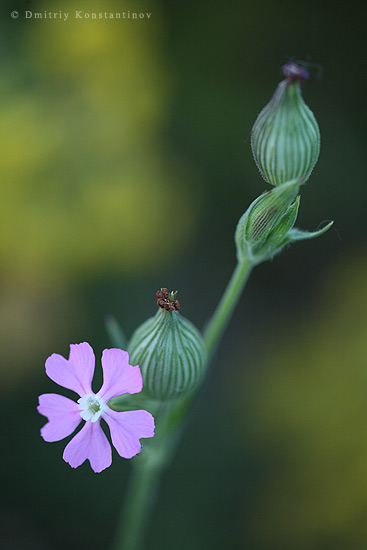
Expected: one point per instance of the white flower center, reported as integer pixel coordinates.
(91, 407)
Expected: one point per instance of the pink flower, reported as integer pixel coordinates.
(64, 415)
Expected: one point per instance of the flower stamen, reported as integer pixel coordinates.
(91, 407)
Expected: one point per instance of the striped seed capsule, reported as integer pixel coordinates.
(169, 351)
(285, 138)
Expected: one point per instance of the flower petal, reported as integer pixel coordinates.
(63, 416)
(92, 444)
(127, 428)
(118, 376)
(75, 373)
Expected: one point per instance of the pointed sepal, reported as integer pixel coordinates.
(301, 235)
(115, 333)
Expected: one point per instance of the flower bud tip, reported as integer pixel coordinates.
(294, 72)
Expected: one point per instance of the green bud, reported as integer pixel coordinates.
(262, 230)
(169, 351)
(285, 138)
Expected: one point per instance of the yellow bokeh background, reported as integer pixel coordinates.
(89, 181)
(305, 418)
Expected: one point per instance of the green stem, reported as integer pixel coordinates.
(139, 500)
(222, 314)
(145, 478)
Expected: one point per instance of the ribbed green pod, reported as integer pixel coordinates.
(262, 229)
(285, 138)
(170, 353)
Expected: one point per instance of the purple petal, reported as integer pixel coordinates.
(92, 444)
(118, 376)
(63, 416)
(127, 428)
(75, 373)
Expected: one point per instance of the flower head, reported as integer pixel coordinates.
(64, 415)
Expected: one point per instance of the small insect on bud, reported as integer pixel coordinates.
(262, 230)
(169, 351)
(285, 138)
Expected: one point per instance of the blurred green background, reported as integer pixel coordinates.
(125, 165)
